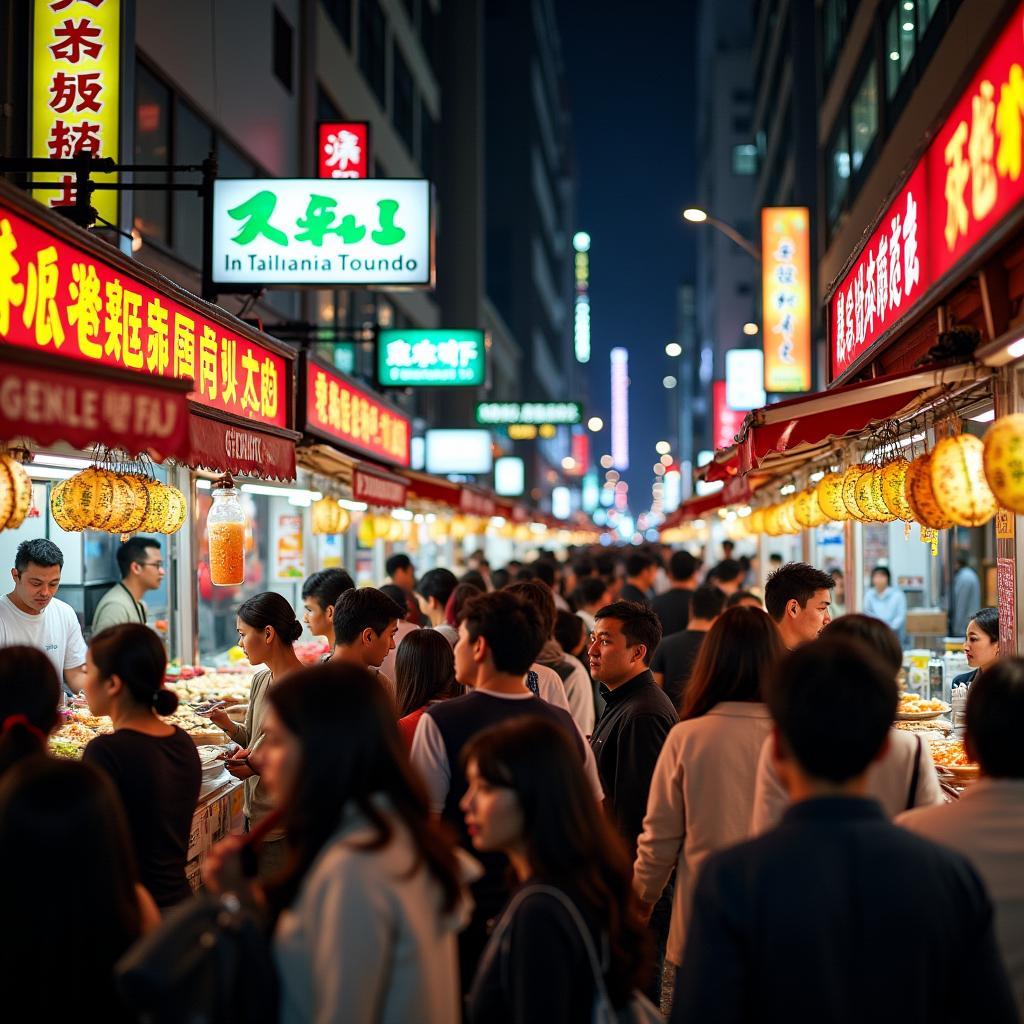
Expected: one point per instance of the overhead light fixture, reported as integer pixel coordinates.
(673, 349)
(750, 328)
(695, 215)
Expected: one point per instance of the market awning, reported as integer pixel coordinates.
(792, 432)
(376, 486)
(229, 446)
(734, 492)
(46, 403)
(432, 490)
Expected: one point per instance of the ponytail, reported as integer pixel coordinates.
(134, 653)
(29, 697)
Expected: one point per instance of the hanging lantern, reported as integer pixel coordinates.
(1004, 461)
(830, 497)
(892, 481)
(157, 507)
(868, 495)
(15, 492)
(60, 511)
(807, 509)
(787, 517)
(850, 478)
(177, 511)
(367, 531)
(958, 480)
(122, 498)
(755, 523)
(90, 498)
(920, 497)
(138, 503)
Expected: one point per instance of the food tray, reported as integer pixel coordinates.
(921, 716)
(202, 739)
(961, 772)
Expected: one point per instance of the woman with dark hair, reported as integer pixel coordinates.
(29, 701)
(267, 631)
(462, 593)
(529, 799)
(61, 819)
(902, 777)
(154, 765)
(702, 791)
(981, 644)
(366, 909)
(424, 674)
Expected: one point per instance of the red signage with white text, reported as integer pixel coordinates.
(968, 181)
(344, 149)
(726, 422)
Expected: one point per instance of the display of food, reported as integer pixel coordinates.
(912, 706)
(230, 687)
(929, 725)
(950, 756)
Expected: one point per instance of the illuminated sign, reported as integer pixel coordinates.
(346, 414)
(500, 413)
(963, 189)
(58, 297)
(591, 496)
(459, 451)
(531, 431)
(620, 408)
(432, 358)
(509, 476)
(580, 450)
(726, 422)
(786, 297)
(581, 308)
(76, 65)
(561, 502)
(744, 378)
(343, 149)
(298, 231)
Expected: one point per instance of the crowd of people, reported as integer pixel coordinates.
(549, 792)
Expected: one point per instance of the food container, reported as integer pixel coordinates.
(916, 665)
(225, 529)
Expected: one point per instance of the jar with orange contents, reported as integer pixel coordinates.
(225, 529)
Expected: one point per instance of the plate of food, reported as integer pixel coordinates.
(951, 757)
(914, 708)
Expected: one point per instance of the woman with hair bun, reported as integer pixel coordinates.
(267, 631)
(154, 765)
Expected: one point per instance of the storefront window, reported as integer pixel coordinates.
(864, 117)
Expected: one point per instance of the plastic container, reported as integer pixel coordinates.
(225, 531)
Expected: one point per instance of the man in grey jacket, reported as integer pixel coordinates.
(142, 570)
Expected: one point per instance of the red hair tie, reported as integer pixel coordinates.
(12, 720)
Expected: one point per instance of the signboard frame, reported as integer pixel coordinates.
(383, 339)
(367, 161)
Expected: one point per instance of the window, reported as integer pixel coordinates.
(193, 140)
(152, 146)
(900, 45)
(744, 159)
(340, 12)
(426, 142)
(864, 117)
(371, 47)
(283, 42)
(837, 171)
(403, 99)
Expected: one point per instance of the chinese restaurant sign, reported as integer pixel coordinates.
(343, 413)
(432, 358)
(76, 46)
(786, 297)
(61, 299)
(298, 231)
(727, 422)
(343, 149)
(969, 179)
(501, 413)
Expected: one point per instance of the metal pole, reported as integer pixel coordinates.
(731, 233)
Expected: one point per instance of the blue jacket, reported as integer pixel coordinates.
(890, 606)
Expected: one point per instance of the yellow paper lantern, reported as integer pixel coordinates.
(773, 521)
(807, 509)
(891, 481)
(787, 517)
(755, 522)
(138, 502)
(21, 486)
(920, 497)
(958, 480)
(177, 511)
(6, 496)
(367, 531)
(868, 495)
(157, 507)
(59, 509)
(1004, 461)
(90, 498)
(344, 520)
(830, 497)
(850, 478)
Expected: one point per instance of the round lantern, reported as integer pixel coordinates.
(830, 497)
(787, 517)
(958, 480)
(807, 510)
(772, 523)
(138, 502)
(157, 509)
(920, 497)
(6, 496)
(755, 522)
(59, 509)
(21, 487)
(891, 480)
(850, 478)
(177, 511)
(90, 498)
(868, 495)
(1004, 461)
(367, 531)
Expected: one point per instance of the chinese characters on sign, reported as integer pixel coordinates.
(342, 412)
(786, 297)
(565, 413)
(76, 47)
(57, 297)
(431, 358)
(293, 231)
(344, 149)
(963, 188)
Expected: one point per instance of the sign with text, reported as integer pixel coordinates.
(786, 297)
(60, 298)
(349, 416)
(380, 489)
(727, 422)
(76, 67)
(501, 413)
(343, 149)
(410, 357)
(321, 233)
(960, 192)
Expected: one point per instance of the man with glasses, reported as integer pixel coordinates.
(142, 570)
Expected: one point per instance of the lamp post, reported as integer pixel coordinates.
(695, 215)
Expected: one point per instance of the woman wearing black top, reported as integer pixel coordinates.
(154, 765)
(981, 645)
(529, 799)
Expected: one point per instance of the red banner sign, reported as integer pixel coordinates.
(379, 489)
(50, 406)
(225, 448)
(344, 149)
(345, 414)
(961, 190)
(727, 422)
(61, 299)
(475, 504)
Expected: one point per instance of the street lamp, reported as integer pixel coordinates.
(695, 215)
(750, 328)
(595, 423)
(673, 349)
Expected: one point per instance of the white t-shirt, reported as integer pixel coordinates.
(55, 632)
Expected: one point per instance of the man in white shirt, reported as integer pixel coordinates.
(31, 614)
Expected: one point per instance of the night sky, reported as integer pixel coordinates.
(632, 95)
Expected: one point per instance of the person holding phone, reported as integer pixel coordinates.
(267, 631)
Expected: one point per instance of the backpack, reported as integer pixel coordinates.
(209, 962)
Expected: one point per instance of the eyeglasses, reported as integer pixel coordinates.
(156, 565)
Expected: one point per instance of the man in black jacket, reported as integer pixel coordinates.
(837, 915)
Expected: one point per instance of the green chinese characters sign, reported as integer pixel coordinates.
(536, 413)
(424, 358)
(298, 232)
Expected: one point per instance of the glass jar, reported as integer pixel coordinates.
(225, 531)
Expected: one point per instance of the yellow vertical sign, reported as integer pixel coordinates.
(786, 297)
(76, 61)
